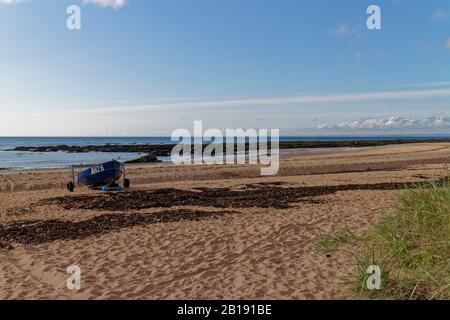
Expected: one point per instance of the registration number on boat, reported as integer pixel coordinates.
(97, 169)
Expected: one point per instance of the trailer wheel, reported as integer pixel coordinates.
(70, 186)
(126, 183)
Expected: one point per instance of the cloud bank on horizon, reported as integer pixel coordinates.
(392, 123)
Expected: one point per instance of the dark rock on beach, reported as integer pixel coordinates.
(153, 151)
(165, 149)
(158, 150)
(145, 159)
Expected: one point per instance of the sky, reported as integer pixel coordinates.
(148, 67)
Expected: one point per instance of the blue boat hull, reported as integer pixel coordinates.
(101, 174)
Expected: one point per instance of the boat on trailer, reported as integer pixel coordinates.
(104, 176)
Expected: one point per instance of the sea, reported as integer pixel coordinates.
(19, 160)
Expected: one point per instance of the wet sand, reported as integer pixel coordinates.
(203, 232)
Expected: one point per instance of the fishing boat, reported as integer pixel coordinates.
(100, 176)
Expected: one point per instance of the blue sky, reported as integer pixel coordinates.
(147, 67)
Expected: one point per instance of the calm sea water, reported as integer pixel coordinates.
(32, 160)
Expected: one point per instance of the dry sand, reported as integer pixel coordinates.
(202, 232)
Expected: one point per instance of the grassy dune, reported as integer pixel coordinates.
(411, 247)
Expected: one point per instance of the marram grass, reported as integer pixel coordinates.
(412, 248)
(330, 241)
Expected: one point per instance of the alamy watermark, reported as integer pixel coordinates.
(374, 280)
(374, 20)
(241, 147)
(73, 282)
(73, 21)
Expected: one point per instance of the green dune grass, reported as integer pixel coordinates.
(411, 247)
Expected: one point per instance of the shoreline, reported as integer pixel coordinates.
(159, 153)
(284, 153)
(395, 157)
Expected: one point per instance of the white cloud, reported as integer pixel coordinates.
(441, 15)
(447, 44)
(341, 31)
(390, 123)
(359, 56)
(279, 101)
(346, 31)
(10, 1)
(423, 84)
(115, 4)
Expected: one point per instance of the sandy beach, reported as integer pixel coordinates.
(203, 232)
